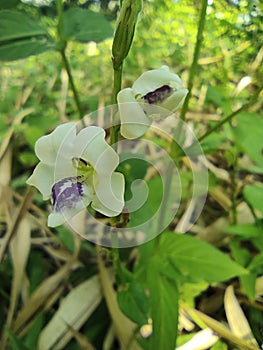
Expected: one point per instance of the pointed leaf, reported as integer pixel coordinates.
(198, 260)
(254, 195)
(164, 305)
(248, 137)
(134, 303)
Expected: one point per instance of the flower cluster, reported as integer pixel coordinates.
(77, 169)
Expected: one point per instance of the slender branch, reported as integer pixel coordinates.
(114, 131)
(62, 49)
(232, 115)
(72, 84)
(192, 73)
(60, 19)
(199, 39)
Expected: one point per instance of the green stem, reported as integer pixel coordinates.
(232, 115)
(62, 49)
(117, 79)
(166, 195)
(193, 69)
(114, 131)
(192, 73)
(72, 84)
(60, 19)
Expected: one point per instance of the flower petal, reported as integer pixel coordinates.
(134, 122)
(109, 195)
(91, 146)
(43, 179)
(47, 147)
(154, 79)
(69, 202)
(175, 101)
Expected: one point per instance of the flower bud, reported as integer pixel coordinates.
(125, 30)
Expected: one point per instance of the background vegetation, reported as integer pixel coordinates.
(50, 279)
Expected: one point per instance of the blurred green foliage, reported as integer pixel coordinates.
(35, 97)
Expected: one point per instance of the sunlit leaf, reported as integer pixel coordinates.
(246, 231)
(254, 195)
(248, 137)
(164, 304)
(198, 260)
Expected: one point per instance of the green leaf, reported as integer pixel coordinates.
(245, 230)
(66, 238)
(248, 137)
(198, 260)
(16, 25)
(257, 263)
(254, 194)
(7, 4)
(17, 344)
(84, 25)
(34, 332)
(134, 303)
(164, 304)
(242, 256)
(21, 37)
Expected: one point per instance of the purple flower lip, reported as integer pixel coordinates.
(66, 193)
(158, 95)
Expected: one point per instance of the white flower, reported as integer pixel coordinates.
(158, 87)
(77, 169)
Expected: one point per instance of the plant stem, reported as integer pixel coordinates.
(166, 195)
(72, 84)
(114, 131)
(168, 182)
(60, 19)
(232, 115)
(114, 134)
(62, 49)
(192, 73)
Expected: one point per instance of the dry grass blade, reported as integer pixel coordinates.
(123, 327)
(8, 136)
(236, 318)
(200, 341)
(40, 298)
(5, 168)
(18, 217)
(82, 340)
(20, 248)
(220, 329)
(74, 310)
